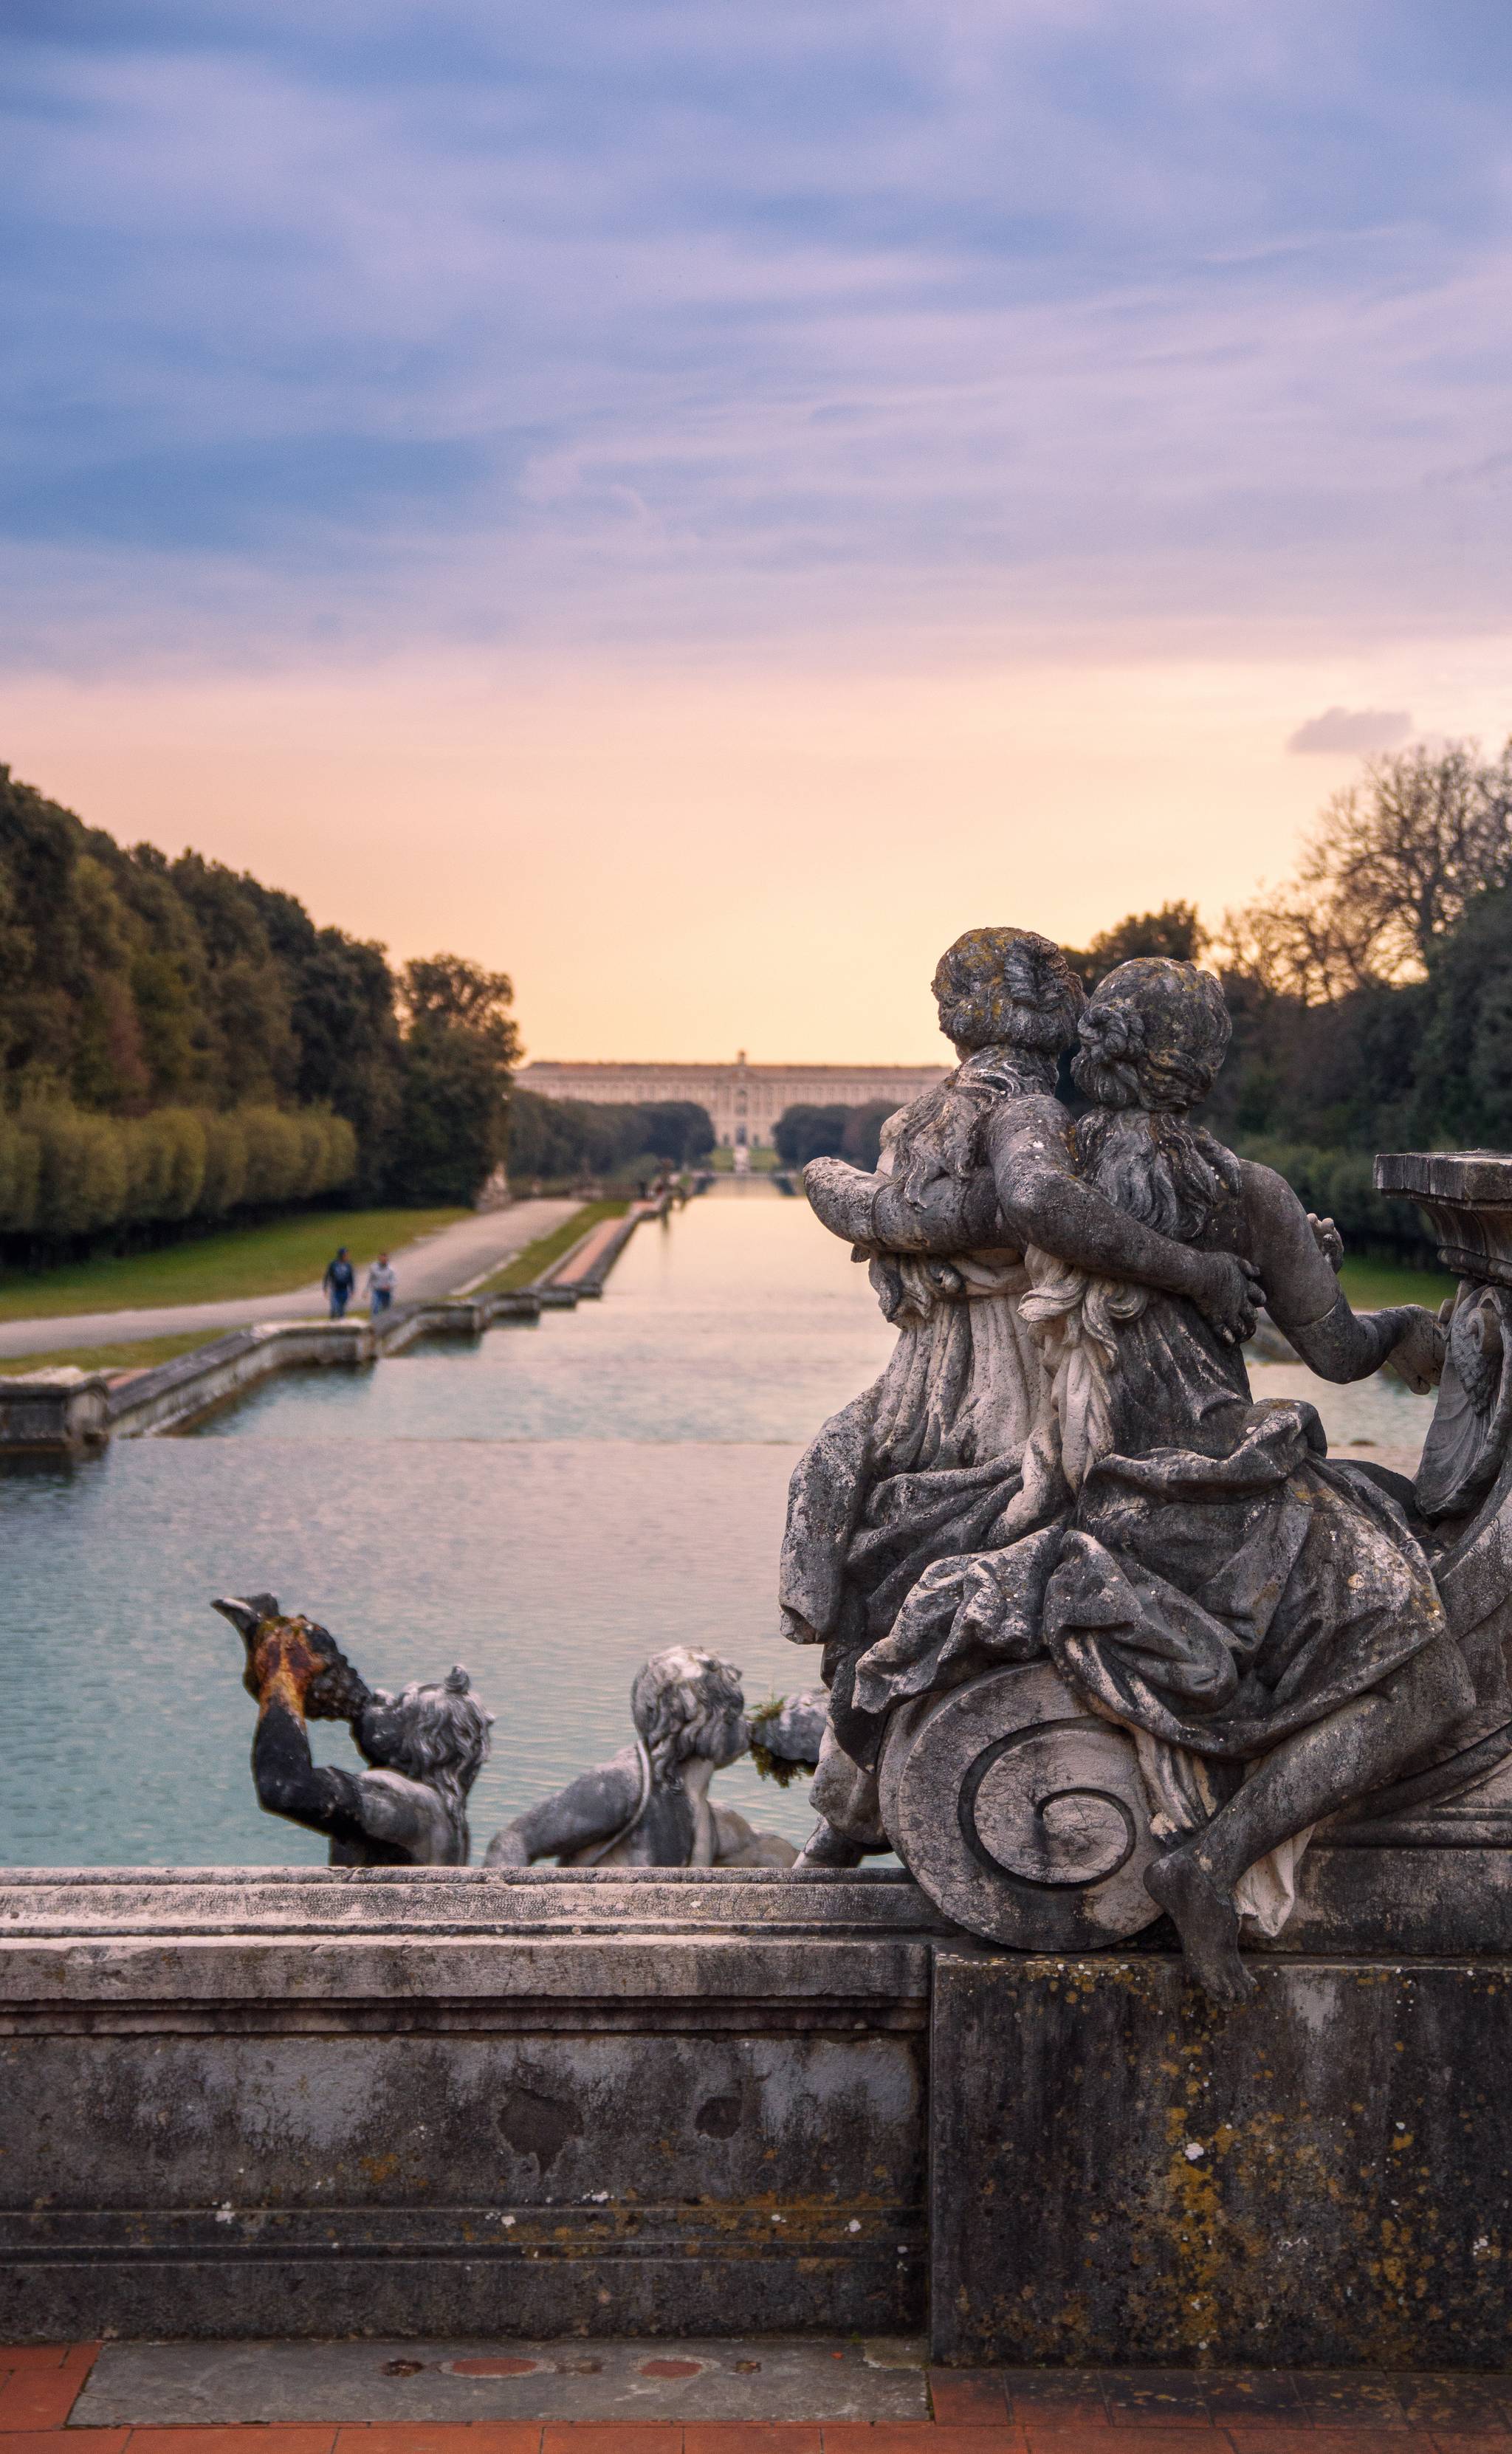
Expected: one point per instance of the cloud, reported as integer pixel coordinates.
(1353, 732)
(655, 325)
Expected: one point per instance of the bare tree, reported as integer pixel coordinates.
(1394, 862)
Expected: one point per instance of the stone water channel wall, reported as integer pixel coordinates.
(477, 2102)
(60, 1413)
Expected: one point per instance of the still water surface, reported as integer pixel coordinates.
(548, 1507)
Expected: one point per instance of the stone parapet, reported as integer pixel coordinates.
(334, 2102)
(1467, 1195)
(506, 2102)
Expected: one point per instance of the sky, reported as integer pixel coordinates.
(693, 505)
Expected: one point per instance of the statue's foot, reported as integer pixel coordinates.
(827, 1847)
(1207, 1922)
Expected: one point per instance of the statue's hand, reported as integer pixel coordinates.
(1228, 1293)
(1418, 1355)
(1327, 1239)
(842, 1196)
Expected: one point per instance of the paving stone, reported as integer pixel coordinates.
(1253, 2394)
(38, 2398)
(32, 2356)
(1134, 2437)
(612, 2436)
(968, 2395)
(1366, 2437)
(435, 2384)
(1067, 2396)
(1350, 2395)
(918, 2437)
(1474, 2401)
(751, 2437)
(78, 2441)
(1171, 2396)
(231, 2441)
(437, 2437)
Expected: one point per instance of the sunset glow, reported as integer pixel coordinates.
(696, 507)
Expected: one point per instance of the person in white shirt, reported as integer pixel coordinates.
(382, 1279)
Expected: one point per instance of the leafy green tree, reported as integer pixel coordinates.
(805, 1131)
(1175, 932)
(461, 1043)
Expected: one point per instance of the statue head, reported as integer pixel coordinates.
(1009, 988)
(1153, 1037)
(434, 1732)
(686, 1703)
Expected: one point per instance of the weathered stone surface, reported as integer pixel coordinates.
(1322, 2178)
(650, 1805)
(462, 2381)
(433, 2101)
(1063, 1477)
(52, 1413)
(1469, 1196)
(61, 1411)
(1051, 1842)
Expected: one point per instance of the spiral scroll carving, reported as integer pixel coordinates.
(1043, 1804)
(1020, 1814)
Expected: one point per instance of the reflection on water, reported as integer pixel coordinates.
(548, 1507)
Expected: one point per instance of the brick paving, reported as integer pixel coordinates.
(974, 2411)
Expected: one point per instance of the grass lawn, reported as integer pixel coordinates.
(547, 1249)
(1372, 1285)
(121, 1358)
(270, 1260)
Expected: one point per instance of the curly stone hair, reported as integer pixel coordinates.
(1154, 1037)
(1010, 988)
(1152, 1041)
(436, 1732)
(685, 1703)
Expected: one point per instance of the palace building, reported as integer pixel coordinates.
(744, 1101)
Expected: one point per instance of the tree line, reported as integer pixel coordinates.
(1371, 994)
(563, 1140)
(180, 1045)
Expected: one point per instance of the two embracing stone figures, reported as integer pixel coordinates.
(1062, 1474)
(1102, 1634)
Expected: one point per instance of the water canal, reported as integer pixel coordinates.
(548, 1507)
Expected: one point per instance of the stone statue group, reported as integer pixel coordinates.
(1102, 1637)
(425, 1747)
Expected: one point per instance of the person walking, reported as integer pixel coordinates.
(339, 1282)
(382, 1281)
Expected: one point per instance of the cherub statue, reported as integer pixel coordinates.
(425, 1746)
(650, 1805)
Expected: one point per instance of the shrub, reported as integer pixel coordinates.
(20, 1173)
(225, 1165)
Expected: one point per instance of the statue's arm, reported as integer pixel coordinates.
(322, 1796)
(590, 1809)
(1304, 1297)
(1045, 1202)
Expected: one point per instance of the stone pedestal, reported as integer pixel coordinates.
(1124, 2175)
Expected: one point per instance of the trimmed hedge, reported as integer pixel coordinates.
(68, 1172)
(1340, 1184)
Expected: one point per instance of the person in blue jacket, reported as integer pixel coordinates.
(338, 1282)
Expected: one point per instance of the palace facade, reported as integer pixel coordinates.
(744, 1101)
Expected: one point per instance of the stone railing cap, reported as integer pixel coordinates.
(1470, 1176)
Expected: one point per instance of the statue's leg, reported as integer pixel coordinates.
(1354, 1749)
(845, 1797)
